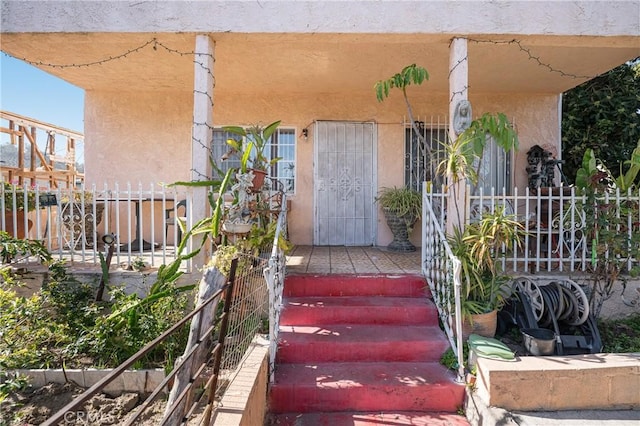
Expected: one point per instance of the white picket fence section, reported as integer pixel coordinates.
(556, 237)
(142, 218)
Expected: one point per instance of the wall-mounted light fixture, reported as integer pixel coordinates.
(305, 133)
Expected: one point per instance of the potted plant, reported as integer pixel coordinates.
(401, 207)
(478, 248)
(252, 148)
(20, 201)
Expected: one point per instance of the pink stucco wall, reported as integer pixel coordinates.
(146, 137)
(137, 137)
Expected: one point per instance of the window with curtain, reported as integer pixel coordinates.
(494, 171)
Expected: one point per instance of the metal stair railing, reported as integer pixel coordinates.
(275, 274)
(442, 271)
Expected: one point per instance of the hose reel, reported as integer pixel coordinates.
(560, 305)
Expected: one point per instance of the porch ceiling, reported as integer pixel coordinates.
(318, 63)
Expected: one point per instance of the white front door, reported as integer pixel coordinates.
(344, 183)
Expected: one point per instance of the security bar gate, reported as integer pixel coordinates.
(344, 183)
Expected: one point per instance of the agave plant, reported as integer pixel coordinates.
(479, 248)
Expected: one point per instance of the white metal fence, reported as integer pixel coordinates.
(561, 232)
(442, 270)
(275, 274)
(72, 222)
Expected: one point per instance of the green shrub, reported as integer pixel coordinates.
(69, 300)
(620, 336)
(63, 325)
(11, 247)
(117, 337)
(29, 336)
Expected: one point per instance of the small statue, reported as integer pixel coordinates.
(245, 181)
(462, 116)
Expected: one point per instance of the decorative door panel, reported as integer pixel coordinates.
(344, 183)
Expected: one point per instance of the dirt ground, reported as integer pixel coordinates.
(36, 406)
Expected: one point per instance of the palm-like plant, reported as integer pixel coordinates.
(404, 202)
(478, 248)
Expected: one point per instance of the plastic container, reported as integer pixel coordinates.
(539, 341)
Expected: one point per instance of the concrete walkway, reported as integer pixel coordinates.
(478, 413)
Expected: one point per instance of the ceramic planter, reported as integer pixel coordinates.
(399, 226)
(20, 232)
(236, 228)
(258, 180)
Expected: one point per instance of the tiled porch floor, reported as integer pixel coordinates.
(351, 260)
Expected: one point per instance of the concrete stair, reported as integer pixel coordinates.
(361, 350)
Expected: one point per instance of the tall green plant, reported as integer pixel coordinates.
(410, 75)
(601, 114)
(606, 225)
(463, 157)
(255, 138)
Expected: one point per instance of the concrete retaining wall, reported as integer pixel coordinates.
(577, 382)
(140, 381)
(245, 400)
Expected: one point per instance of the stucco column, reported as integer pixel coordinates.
(458, 91)
(202, 136)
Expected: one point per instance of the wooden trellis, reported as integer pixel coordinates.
(35, 166)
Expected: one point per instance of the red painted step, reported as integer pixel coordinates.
(361, 350)
(368, 419)
(358, 310)
(358, 342)
(361, 386)
(355, 285)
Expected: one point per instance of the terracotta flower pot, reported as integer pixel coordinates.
(20, 231)
(258, 180)
(481, 324)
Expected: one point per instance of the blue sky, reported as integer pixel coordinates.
(28, 91)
